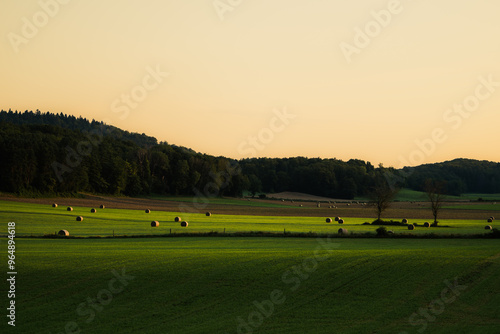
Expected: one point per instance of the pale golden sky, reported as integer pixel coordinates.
(398, 82)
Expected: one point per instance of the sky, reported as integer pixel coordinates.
(394, 82)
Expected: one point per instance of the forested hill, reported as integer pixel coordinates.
(43, 153)
(73, 123)
(461, 176)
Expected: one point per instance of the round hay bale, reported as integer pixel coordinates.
(301, 205)
(337, 219)
(147, 211)
(177, 219)
(426, 224)
(341, 221)
(184, 224)
(101, 206)
(343, 231)
(390, 232)
(155, 224)
(63, 233)
(328, 220)
(405, 221)
(54, 205)
(487, 227)
(411, 227)
(93, 210)
(490, 220)
(69, 208)
(79, 219)
(208, 214)
(319, 205)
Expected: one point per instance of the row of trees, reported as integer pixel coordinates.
(53, 159)
(49, 153)
(461, 176)
(324, 177)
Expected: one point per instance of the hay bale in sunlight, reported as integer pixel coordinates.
(208, 214)
(337, 219)
(147, 211)
(79, 219)
(69, 208)
(54, 205)
(93, 210)
(426, 224)
(328, 220)
(155, 224)
(488, 227)
(63, 233)
(404, 221)
(411, 227)
(490, 220)
(101, 206)
(341, 221)
(177, 219)
(184, 224)
(318, 205)
(343, 231)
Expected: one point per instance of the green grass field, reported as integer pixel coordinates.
(227, 285)
(257, 285)
(38, 220)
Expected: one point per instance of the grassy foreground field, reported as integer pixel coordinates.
(256, 285)
(38, 219)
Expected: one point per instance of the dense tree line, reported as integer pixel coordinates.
(323, 177)
(54, 157)
(56, 153)
(459, 176)
(73, 123)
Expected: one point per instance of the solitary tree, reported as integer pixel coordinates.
(381, 195)
(435, 193)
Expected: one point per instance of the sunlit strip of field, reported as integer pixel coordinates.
(257, 285)
(38, 220)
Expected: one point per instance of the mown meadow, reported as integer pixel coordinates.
(39, 220)
(239, 283)
(258, 285)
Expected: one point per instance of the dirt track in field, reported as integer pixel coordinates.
(398, 210)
